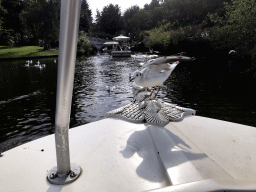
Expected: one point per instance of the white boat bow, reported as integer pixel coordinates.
(116, 155)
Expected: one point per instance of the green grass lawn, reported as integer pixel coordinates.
(25, 51)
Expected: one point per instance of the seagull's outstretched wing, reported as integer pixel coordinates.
(166, 60)
(154, 62)
(147, 63)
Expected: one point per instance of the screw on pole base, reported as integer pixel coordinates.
(57, 179)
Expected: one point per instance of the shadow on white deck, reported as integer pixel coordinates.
(116, 155)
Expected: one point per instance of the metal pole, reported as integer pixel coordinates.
(69, 23)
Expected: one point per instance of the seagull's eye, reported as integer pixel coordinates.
(137, 75)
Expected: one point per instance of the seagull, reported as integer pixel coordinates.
(156, 71)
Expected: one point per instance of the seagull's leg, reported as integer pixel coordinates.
(152, 92)
(157, 92)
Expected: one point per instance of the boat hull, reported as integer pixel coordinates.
(121, 53)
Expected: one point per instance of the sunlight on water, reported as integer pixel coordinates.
(101, 84)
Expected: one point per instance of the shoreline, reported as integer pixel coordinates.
(8, 53)
(24, 58)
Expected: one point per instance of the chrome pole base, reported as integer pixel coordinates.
(58, 179)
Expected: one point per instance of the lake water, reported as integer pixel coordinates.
(27, 99)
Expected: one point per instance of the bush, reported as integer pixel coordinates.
(83, 46)
(163, 37)
(9, 37)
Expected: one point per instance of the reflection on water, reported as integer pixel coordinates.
(27, 99)
(91, 99)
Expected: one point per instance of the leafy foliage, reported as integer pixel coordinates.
(236, 29)
(161, 23)
(158, 37)
(85, 17)
(42, 18)
(11, 19)
(162, 37)
(83, 46)
(2, 12)
(190, 12)
(109, 20)
(128, 19)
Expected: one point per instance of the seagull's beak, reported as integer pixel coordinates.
(131, 77)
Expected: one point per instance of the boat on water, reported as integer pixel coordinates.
(125, 152)
(110, 46)
(122, 49)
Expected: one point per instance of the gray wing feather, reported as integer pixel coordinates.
(168, 59)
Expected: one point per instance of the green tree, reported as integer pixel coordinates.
(153, 4)
(109, 20)
(189, 12)
(85, 17)
(128, 21)
(156, 16)
(13, 24)
(237, 28)
(42, 20)
(141, 20)
(3, 11)
(83, 46)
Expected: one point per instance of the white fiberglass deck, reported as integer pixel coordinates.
(116, 155)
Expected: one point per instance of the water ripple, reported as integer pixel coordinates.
(27, 102)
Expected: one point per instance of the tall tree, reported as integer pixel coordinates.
(127, 17)
(153, 4)
(3, 11)
(156, 12)
(42, 20)
(141, 20)
(96, 24)
(85, 17)
(12, 20)
(189, 12)
(110, 19)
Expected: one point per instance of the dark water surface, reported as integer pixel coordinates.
(27, 95)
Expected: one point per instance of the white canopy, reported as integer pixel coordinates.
(121, 38)
(111, 43)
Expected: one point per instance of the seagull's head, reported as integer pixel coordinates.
(135, 75)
